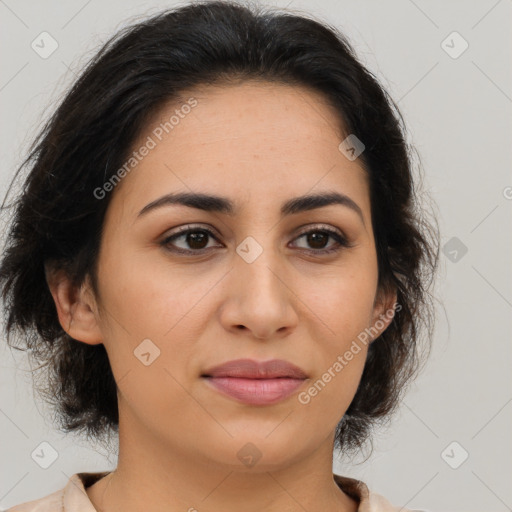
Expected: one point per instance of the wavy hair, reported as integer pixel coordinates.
(57, 219)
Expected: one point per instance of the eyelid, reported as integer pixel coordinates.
(305, 228)
(342, 241)
(320, 227)
(188, 227)
(182, 230)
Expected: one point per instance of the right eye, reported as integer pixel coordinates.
(195, 238)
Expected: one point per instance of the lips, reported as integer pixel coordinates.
(251, 369)
(256, 383)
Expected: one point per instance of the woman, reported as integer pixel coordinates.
(219, 254)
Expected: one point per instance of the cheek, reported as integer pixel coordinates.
(342, 302)
(342, 307)
(325, 400)
(151, 299)
(151, 336)
(156, 314)
(330, 392)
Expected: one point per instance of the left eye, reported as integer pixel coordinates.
(197, 240)
(318, 237)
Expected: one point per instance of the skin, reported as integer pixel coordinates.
(259, 144)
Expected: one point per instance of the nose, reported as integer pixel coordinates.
(260, 297)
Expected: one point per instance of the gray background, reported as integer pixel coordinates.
(458, 111)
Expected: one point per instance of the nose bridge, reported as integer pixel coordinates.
(258, 264)
(261, 298)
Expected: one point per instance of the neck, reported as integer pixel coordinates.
(153, 475)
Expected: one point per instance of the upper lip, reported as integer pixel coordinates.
(251, 369)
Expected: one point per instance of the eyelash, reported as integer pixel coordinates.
(342, 242)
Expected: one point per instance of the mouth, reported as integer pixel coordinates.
(251, 369)
(256, 383)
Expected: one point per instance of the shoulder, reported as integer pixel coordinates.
(50, 503)
(368, 501)
(72, 498)
(378, 503)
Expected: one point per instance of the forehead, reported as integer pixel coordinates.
(262, 140)
(271, 111)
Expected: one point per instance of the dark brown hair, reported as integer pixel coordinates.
(57, 218)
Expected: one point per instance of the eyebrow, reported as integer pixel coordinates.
(219, 204)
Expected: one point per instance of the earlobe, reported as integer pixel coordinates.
(384, 311)
(75, 307)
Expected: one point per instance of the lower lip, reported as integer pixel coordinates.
(256, 391)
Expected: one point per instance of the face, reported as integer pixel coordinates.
(253, 283)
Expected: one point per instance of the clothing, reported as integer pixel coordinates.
(73, 498)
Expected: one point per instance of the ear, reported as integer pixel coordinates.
(384, 308)
(76, 308)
